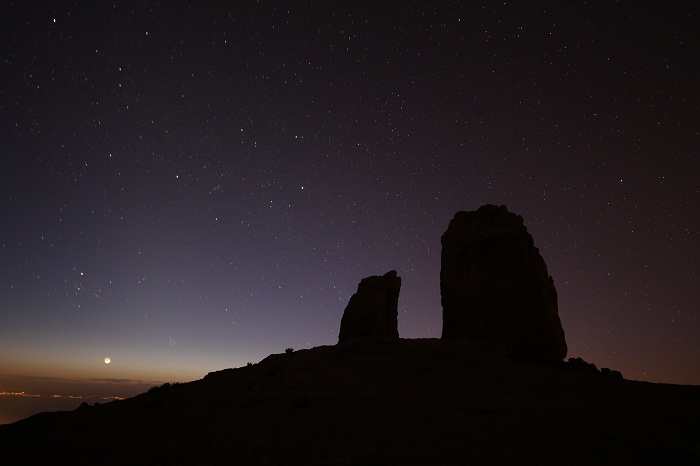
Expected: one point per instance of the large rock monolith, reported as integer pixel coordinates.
(495, 286)
(372, 311)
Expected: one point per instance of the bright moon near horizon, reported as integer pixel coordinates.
(107, 360)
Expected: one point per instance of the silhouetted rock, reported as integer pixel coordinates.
(613, 374)
(372, 311)
(495, 286)
(579, 365)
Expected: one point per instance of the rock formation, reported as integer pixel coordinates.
(495, 286)
(583, 367)
(373, 310)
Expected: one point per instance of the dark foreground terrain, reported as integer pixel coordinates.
(400, 402)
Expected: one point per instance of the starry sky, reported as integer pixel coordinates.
(188, 186)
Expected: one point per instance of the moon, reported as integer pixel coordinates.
(107, 360)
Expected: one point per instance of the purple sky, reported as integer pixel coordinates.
(188, 187)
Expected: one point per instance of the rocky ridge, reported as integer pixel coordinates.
(376, 402)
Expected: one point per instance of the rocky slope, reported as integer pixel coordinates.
(381, 402)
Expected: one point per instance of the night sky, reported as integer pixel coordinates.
(187, 187)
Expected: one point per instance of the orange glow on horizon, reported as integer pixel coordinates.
(31, 395)
(71, 397)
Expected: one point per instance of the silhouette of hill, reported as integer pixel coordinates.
(377, 402)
